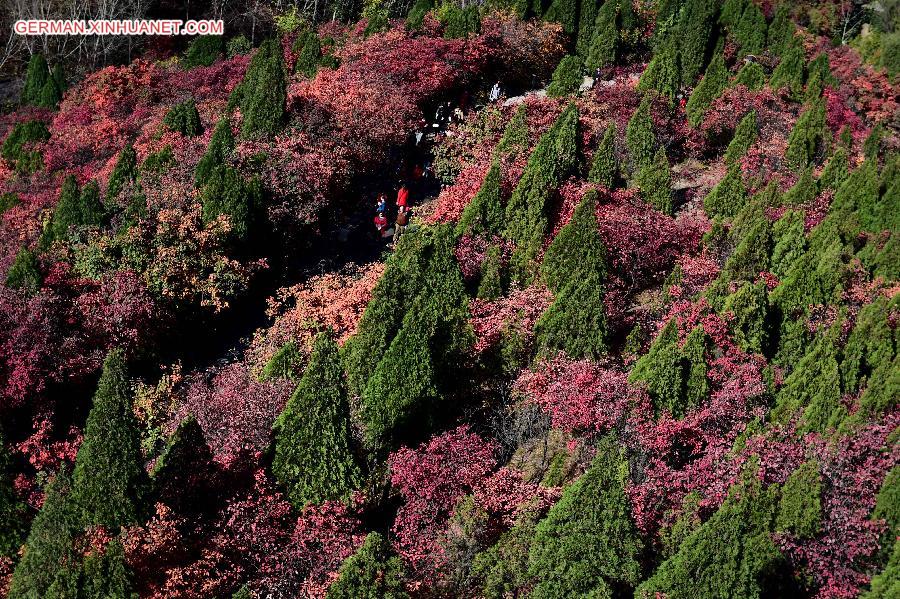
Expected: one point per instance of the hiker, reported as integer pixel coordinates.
(381, 223)
(401, 222)
(402, 195)
(495, 92)
(458, 114)
(381, 203)
(439, 116)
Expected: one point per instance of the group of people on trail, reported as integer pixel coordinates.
(401, 221)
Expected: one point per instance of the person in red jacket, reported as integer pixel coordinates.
(402, 196)
(381, 223)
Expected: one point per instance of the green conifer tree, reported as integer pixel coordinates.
(284, 364)
(17, 147)
(373, 572)
(661, 369)
(309, 52)
(485, 213)
(604, 40)
(730, 15)
(781, 30)
(714, 82)
(66, 214)
(416, 16)
(106, 574)
(575, 323)
(515, 136)
(312, 456)
(587, 15)
(800, 509)
(221, 145)
(695, 31)
(751, 75)
(492, 284)
(587, 543)
(789, 239)
(12, 511)
(204, 51)
(663, 73)
(577, 250)
(564, 12)
(227, 192)
(59, 76)
(50, 94)
(655, 182)
(809, 137)
(264, 92)
(605, 162)
(184, 118)
(502, 570)
(108, 483)
(750, 33)
(728, 196)
(92, 210)
(25, 272)
(639, 136)
(789, 72)
(124, 172)
(693, 356)
(36, 76)
(566, 78)
(744, 136)
(750, 307)
(182, 475)
(803, 191)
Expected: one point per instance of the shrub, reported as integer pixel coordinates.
(836, 171)
(809, 137)
(124, 172)
(751, 75)
(238, 46)
(373, 572)
(492, 284)
(750, 32)
(789, 72)
(17, 145)
(515, 135)
(12, 511)
(204, 50)
(183, 474)
(605, 162)
(728, 196)
(264, 92)
(228, 193)
(312, 459)
(221, 145)
(309, 53)
(183, 118)
(459, 23)
(564, 12)
(36, 76)
(566, 78)
(416, 16)
(781, 30)
(284, 364)
(663, 73)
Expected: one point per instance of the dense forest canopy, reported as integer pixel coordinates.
(520, 298)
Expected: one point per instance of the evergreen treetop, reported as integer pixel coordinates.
(639, 136)
(264, 92)
(605, 162)
(373, 572)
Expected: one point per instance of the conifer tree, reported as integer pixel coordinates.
(550, 162)
(694, 363)
(694, 32)
(750, 307)
(183, 474)
(728, 196)
(663, 73)
(283, 364)
(373, 572)
(25, 272)
(800, 508)
(106, 575)
(701, 568)
(803, 191)
(184, 118)
(587, 543)
(17, 147)
(870, 344)
(36, 76)
(605, 163)
(587, 15)
(655, 182)
(485, 213)
(781, 30)
(730, 15)
(744, 136)
(502, 569)
(639, 136)
(312, 456)
(750, 33)
(577, 250)
(309, 53)
(789, 72)
(12, 511)
(575, 323)
(264, 92)
(491, 285)
(204, 51)
(227, 192)
(242, 593)
(661, 369)
(566, 78)
(50, 94)
(92, 210)
(124, 172)
(108, 482)
(714, 82)
(49, 543)
(416, 16)
(751, 75)
(59, 76)
(604, 40)
(515, 136)
(809, 136)
(66, 214)
(564, 12)
(221, 145)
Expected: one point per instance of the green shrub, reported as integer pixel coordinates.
(123, 173)
(239, 45)
(157, 162)
(781, 30)
(416, 16)
(309, 53)
(36, 76)
(17, 147)
(183, 118)
(789, 72)
(800, 510)
(836, 170)
(750, 307)
(263, 92)
(750, 32)
(204, 50)
(752, 76)
(502, 570)
(221, 145)
(714, 82)
(728, 196)
(25, 272)
(227, 192)
(492, 282)
(890, 53)
(809, 137)
(744, 136)
(605, 163)
(663, 73)
(12, 510)
(566, 78)
(373, 572)
(639, 136)
(515, 136)
(564, 12)
(655, 182)
(485, 213)
(284, 364)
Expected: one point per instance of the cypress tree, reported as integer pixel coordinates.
(502, 570)
(587, 543)
(552, 160)
(663, 73)
(485, 213)
(575, 322)
(36, 76)
(750, 33)
(183, 474)
(701, 568)
(605, 163)
(66, 214)
(264, 92)
(184, 118)
(750, 307)
(17, 145)
(781, 30)
(221, 145)
(789, 72)
(639, 136)
(800, 508)
(661, 369)
(836, 170)
(655, 182)
(491, 284)
(566, 78)
(124, 172)
(106, 575)
(109, 479)
(92, 210)
(59, 77)
(744, 136)
(309, 53)
(730, 15)
(49, 544)
(751, 256)
(728, 196)
(416, 16)
(751, 75)
(587, 15)
(714, 82)
(803, 191)
(204, 51)
(373, 572)
(12, 511)
(50, 94)
(25, 272)
(809, 136)
(870, 344)
(694, 31)
(564, 12)
(312, 457)
(284, 364)
(8, 201)
(694, 363)
(577, 250)
(601, 50)
(227, 192)
(515, 136)
(872, 145)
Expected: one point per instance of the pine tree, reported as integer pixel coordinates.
(312, 456)
(93, 213)
(66, 214)
(12, 511)
(25, 272)
(751, 75)
(108, 482)
(604, 40)
(564, 12)
(416, 16)
(750, 33)
(728, 196)
(204, 51)
(655, 182)
(485, 213)
(50, 94)
(107, 575)
(730, 15)
(575, 323)
(744, 136)
(800, 509)
(661, 369)
(870, 344)
(309, 53)
(184, 118)
(124, 172)
(492, 284)
(587, 543)
(577, 250)
(605, 162)
(228, 193)
(36, 76)
(264, 92)
(803, 191)
(550, 162)
(587, 15)
(221, 145)
(663, 73)
(49, 543)
(809, 137)
(502, 570)
(701, 568)
(17, 145)
(284, 364)
(639, 136)
(750, 307)
(183, 474)
(515, 136)
(789, 72)
(714, 82)
(373, 572)
(781, 30)
(566, 78)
